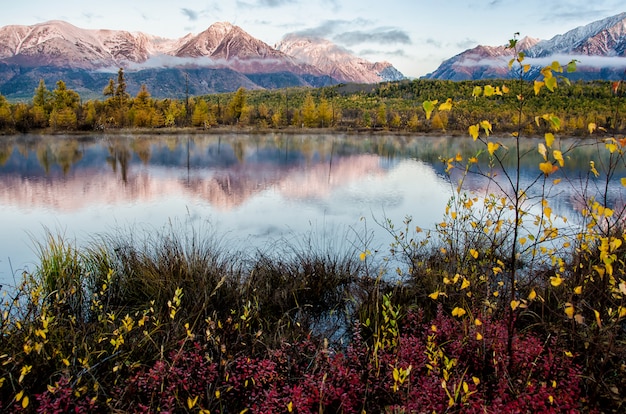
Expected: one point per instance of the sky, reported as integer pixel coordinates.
(414, 35)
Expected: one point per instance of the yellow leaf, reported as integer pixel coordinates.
(474, 253)
(621, 312)
(465, 284)
(526, 68)
(514, 304)
(547, 168)
(434, 295)
(592, 127)
(550, 84)
(290, 405)
(623, 180)
(505, 89)
(19, 395)
(598, 320)
(558, 156)
(479, 337)
(362, 256)
(446, 106)
(396, 374)
(569, 354)
(25, 401)
(569, 310)
(477, 322)
(532, 295)
(542, 150)
(492, 147)
(489, 90)
(556, 280)
(191, 402)
(578, 290)
(538, 86)
(476, 380)
(473, 131)
(549, 139)
(592, 166)
(433, 328)
(477, 91)
(611, 146)
(486, 126)
(458, 312)
(579, 319)
(522, 241)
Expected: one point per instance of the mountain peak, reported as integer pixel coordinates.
(223, 54)
(335, 60)
(604, 40)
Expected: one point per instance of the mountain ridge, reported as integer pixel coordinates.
(599, 47)
(224, 53)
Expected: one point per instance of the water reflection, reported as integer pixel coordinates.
(253, 187)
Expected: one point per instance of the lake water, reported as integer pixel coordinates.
(252, 189)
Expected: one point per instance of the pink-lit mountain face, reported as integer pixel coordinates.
(599, 48)
(337, 62)
(222, 58)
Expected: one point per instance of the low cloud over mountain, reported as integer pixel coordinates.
(599, 48)
(222, 58)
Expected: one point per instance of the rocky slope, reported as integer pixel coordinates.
(222, 58)
(599, 47)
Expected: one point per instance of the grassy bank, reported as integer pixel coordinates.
(178, 322)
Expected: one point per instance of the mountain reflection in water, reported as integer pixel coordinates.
(254, 188)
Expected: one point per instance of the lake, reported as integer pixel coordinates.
(250, 189)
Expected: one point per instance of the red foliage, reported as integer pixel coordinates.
(306, 377)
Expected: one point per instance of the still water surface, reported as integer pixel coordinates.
(252, 189)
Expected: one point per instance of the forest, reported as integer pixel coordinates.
(391, 106)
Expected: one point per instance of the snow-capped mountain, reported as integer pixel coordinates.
(222, 58)
(599, 48)
(336, 61)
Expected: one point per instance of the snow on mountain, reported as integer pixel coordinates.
(229, 45)
(223, 45)
(336, 61)
(599, 47)
(480, 62)
(606, 33)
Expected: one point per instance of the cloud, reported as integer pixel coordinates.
(432, 42)
(382, 36)
(392, 53)
(584, 61)
(191, 14)
(330, 27)
(273, 3)
(466, 43)
(166, 61)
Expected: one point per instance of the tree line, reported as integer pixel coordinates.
(393, 106)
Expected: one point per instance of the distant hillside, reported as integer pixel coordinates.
(599, 47)
(220, 59)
